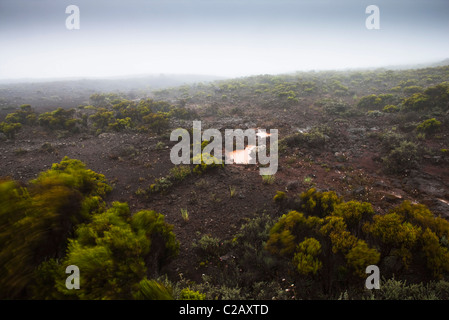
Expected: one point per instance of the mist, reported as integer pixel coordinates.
(222, 38)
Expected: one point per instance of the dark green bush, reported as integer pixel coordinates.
(36, 221)
(59, 119)
(402, 158)
(429, 126)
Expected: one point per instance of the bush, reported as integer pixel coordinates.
(24, 116)
(374, 113)
(429, 126)
(326, 241)
(207, 246)
(121, 124)
(10, 129)
(391, 140)
(412, 233)
(208, 162)
(248, 247)
(152, 290)
(413, 89)
(336, 107)
(391, 108)
(376, 102)
(393, 289)
(279, 196)
(354, 214)
(161, 185)
(317, 203)
(432, 97)
(59, 119)
(179, 173)
(305, 258)
(335, 240)
(157, 122)
(314, 138)
(116, 251)
(36, 221)
(187, 294)
(268, 179)
(402, 159)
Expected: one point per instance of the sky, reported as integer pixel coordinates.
(228, 38)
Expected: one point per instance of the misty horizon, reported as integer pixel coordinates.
(215, 38)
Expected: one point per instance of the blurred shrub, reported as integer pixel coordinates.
(152, 290)
(36, 221)
(116, 251)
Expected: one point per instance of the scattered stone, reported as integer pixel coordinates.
(359, 191)
(380, 184)
(426, 185)
(340, 156)
(106, 135)
(439, 207)
(391, 197)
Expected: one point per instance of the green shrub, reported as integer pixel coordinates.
(208, 162)
(326, 241)
(417, 102)
(35, 221)
(59, 119)
(161, 185)
(391, 108)
(413, 89)
(429, 126)
(412, 233)
(116, 251)
(279, 196)
(157, 122)
(354, 213)
(179, 173)
(393, 289)
(185, 214)
(402, 158)
(24, 116)
(10, 129)
(317, 203)
(314, 138)
(188, 294)
(268, 179)
(305, 258)
(207, 246)
(376, 102)
(152, 290)
(374, 113)
(391, 140)
(121, 124)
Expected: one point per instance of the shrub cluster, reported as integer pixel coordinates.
(330, 242)
(60, 219)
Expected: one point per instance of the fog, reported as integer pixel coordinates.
(223, 38)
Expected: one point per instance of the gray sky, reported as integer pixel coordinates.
(224, 37)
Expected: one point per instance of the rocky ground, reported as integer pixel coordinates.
(218, 202)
